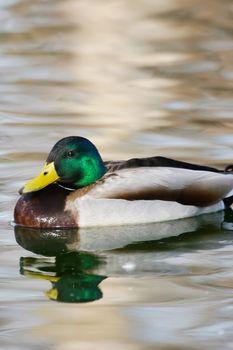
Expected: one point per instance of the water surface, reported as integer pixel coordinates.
(139, 78)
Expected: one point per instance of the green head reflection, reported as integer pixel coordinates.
(77, 288)
(70, 272)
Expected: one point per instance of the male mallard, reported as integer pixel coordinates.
(77, 189)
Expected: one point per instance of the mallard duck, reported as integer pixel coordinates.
(76, 188)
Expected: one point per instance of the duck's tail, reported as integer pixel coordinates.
(228, 202)
(229, 169)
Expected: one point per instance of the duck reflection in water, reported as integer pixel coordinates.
(68, 271)
(70, 282)
(76, 262)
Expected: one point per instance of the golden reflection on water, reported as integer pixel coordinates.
(138, 78)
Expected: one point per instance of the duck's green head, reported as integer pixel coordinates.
(73, 161)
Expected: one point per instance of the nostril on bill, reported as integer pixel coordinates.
(46, 172)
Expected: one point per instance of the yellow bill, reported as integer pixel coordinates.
(45, 178)
(52, 294)
(38, 275)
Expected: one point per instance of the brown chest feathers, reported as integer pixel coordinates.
(44, 209)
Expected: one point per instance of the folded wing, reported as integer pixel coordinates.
(185, 186)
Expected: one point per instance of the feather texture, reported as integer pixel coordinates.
(130, 196)
(185, 186)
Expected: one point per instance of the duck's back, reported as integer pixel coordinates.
(157, 161)
(137, 192)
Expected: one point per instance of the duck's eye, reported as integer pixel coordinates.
(70, 154)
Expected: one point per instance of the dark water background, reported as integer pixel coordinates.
(139, 78)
